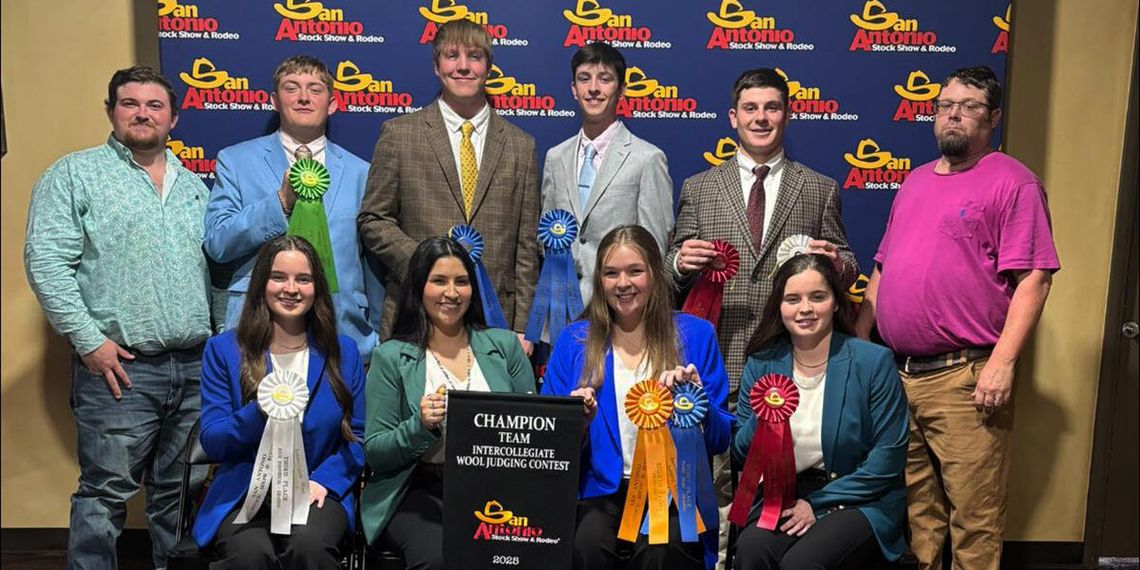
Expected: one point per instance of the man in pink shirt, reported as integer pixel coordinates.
(962, 275)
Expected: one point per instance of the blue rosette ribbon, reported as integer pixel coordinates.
(557, 299)
(696, 497)
(472, 241)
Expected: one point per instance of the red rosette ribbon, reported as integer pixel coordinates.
(773, 398)
(705, 298)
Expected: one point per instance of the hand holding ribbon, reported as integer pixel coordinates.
(472, 241)
(280, 462)
(704, 299)
(557, 299)
(310, 180)
(773, 399)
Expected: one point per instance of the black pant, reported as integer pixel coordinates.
(596, 545)
(416, 528)
(313, 545)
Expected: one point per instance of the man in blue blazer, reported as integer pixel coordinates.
(251, 200)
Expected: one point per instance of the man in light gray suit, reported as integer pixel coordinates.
(604, 175)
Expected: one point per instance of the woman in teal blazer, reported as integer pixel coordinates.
(440, 343)
(849, 432)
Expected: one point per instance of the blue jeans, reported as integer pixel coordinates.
(140, 439)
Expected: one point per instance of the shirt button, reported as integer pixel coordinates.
(582, 240)
(841, 507)
(834, 475)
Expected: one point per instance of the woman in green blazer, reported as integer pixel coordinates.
(439, 343)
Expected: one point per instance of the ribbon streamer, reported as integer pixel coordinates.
(280, 464)
(649, 405)
(310, 180)
(696, 497)
(472, 241)
(557, 298)
(774, 399)
(706, 295)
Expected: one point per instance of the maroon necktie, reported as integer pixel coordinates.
(756, 206)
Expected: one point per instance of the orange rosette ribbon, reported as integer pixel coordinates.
(653, 474)
(773, 399)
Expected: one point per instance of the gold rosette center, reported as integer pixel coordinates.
(648, 404)
(282, 395)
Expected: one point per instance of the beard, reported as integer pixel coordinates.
(144, 141)
(952, 145)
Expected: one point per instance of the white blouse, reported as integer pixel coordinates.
(807, 422)
(624, 379)
(434, 377)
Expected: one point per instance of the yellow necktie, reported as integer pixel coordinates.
(468, 171)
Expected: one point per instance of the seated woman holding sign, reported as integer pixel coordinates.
(629, 333)
(440, 343)
(282, 384)
(835, 496)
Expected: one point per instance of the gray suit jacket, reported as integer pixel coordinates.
(712, 208)
(413, 193)
(631, 187)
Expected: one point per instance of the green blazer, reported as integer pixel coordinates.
(394, 437)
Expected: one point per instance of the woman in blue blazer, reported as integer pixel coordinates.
(629, 333)
(288, 321)
(440, 343)
(849, 431)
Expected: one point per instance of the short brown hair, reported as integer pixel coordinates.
(461, 33)
(138, 74)
(302, 64)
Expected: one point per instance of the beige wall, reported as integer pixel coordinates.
(1069, 81)
(1070, 62)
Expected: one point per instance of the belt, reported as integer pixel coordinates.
(919, 364)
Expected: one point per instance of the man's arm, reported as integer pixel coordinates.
(655, 198)
(526, 252)
(379, 220)
(236, 223)
(996, 379)
(867, 309)
(832, 230)
(686, 229)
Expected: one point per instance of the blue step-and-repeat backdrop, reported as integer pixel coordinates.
(863, 75)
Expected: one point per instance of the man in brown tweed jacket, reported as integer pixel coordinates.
(754, 201)
(416, 189)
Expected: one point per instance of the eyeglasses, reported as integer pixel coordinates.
(968, 108)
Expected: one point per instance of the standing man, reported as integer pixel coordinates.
(962, 274)
(252, 199)
(754, 201)
(456, 162)
(604, 175)
(114, 255)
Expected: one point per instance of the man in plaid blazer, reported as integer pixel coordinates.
(416, 189)
(754, 201)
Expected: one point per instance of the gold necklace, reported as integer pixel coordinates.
(806, 365)
(287, 347)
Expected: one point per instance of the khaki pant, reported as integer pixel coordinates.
(956, 470)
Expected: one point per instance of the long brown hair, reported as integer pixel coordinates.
(660, 331)
(773, 329)
(255, 328)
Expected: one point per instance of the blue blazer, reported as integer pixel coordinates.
(231, 431)
(864, 432)
(244, 212)
(602, 474)
(396, 438)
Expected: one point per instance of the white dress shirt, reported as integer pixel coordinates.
(771, 182)
(601, 143)
(624, 379)
(807, 423)
(454, 124)
(317, 146)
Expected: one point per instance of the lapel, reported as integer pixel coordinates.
(441, 147)
(492, 151)
(413, 370)
(491, 361)
(607, 412)
(791, 183)
(568, 160)
(728, 183)
(275, 161)
(334, 162)
(834, 393)
(615, 157)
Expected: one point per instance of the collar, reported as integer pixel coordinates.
(454, 122)
(125, 153)
(774, 164)
(316, 146)
(600, 142)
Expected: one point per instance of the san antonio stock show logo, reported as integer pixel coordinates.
(193, 158)
(310, 21)
(358, 92)
(648, 98)
(875, 169)
(497, 523)
(210, 88)
(183, 22)
(807, 103)
(736, 28)
(513, 98)
(590, 22)
(878, 29)
(444, 11)
(916, 103)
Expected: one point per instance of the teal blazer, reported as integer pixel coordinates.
(394, 437)
(864, 433)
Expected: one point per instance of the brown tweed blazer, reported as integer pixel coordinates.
(712, 208)
(413, 193)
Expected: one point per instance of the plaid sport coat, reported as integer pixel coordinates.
(413, 193)
(712, 208)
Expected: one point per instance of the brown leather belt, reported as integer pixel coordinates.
(920, 364)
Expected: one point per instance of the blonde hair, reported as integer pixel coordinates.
(661, 344)
(464, 33)
(302, 64)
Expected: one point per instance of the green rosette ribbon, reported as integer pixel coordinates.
(310, 180)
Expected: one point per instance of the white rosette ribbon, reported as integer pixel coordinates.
(280, 464)
(792, 246)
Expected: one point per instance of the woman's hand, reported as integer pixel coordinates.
(317, 493)
(801, 518)
(680, 375)
(589, 402)
(433, 409)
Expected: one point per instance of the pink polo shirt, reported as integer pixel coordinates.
(949, 243)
